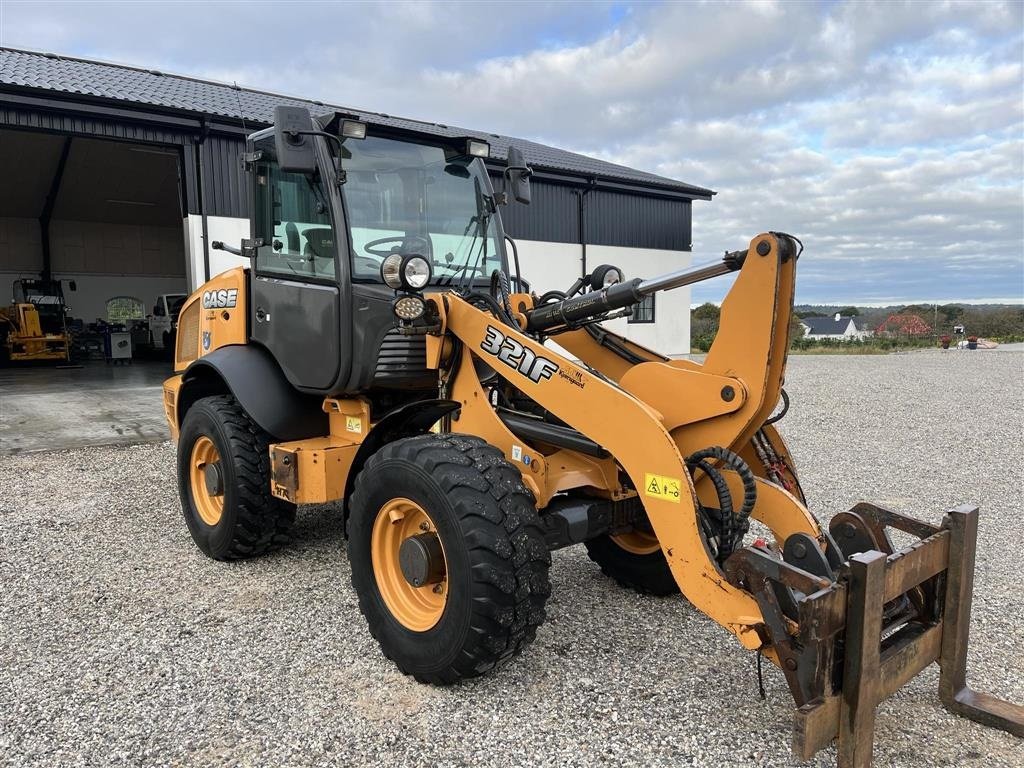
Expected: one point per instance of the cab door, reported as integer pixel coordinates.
(295, 304)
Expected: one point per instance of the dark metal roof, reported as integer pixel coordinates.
(134, 85)
(827, 326)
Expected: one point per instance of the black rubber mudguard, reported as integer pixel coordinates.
(261, 388)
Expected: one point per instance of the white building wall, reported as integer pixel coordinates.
(545, 265)
(227, 229)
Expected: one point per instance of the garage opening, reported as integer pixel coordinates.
(99, 222)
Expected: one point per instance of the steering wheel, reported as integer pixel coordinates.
(374, 246)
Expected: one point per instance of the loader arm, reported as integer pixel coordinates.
(649, 428)
(848, 624)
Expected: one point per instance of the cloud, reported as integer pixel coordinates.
(889, 136)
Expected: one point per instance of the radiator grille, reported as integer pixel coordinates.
(401, 359)
(188, 334)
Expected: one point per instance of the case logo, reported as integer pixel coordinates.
(516, 356)
(222, 299)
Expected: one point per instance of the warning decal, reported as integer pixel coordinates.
(353, 424)
(662, 487)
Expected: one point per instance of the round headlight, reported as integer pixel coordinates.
(605, 276)
(391, 271)
(408, 307)
(416, 272)
(612, 276)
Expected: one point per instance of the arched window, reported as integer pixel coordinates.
(121, 309)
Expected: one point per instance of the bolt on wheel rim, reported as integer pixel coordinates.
(415, 608)
(209, 505)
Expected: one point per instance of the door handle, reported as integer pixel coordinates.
(262, 316)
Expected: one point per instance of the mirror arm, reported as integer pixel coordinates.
(340, 177)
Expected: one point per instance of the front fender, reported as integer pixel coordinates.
(414, 418)
(257, 382)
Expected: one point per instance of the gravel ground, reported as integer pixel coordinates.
(121, 644)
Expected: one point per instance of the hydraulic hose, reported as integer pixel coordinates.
(734, 524)
(501, 290)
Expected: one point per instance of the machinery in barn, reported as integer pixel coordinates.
(34, 327)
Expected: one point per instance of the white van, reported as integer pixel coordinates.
(165, 315)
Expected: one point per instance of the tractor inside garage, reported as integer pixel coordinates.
(92, 272)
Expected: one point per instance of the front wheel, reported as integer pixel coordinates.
(448, 556)
(224, 482)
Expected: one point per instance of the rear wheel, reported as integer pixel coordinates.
(635, 561)
(448, 556)
(224, 482)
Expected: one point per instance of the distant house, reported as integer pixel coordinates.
(835, 327)
(905, 324)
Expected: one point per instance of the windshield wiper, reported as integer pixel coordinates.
(485, 222)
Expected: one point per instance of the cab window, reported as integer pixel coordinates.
(293, 219)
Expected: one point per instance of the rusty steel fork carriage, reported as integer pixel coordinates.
(890, 614)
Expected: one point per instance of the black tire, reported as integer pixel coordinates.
(494, 548)
(646, 573)
(253, 521)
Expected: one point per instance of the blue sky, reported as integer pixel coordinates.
(888, 136)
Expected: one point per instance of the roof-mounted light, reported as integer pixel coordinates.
(353, 129)
(477, 148)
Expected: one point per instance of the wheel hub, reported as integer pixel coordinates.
(409, 564)
(214, 479)
(422, 560)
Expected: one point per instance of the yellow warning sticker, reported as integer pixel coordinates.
(353, 424)
(662, 487)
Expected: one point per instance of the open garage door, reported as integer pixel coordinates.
(100, 222)
(113, 212)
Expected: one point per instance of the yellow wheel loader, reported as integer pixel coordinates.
(35, 326)
(376, 353)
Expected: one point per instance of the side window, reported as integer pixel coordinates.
(293, 218)
(643, 312)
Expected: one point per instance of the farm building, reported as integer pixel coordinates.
(835, 327)
(120, 178)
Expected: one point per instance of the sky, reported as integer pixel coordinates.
(888, 136)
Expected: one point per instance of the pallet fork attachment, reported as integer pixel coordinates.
(888, 616)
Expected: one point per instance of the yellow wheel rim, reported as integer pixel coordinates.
(415, 608)
(209, 505)
(638, 542)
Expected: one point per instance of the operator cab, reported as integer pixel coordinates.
(332, 199)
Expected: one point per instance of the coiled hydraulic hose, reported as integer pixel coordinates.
(733, 523)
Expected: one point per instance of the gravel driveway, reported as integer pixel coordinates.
(122, 645)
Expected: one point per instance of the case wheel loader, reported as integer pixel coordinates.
(376, 353)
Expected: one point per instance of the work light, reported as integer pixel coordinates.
(391, 271)
(416, 272)
(606, 276)
(408, 307)
(477, 148)
(353, 129)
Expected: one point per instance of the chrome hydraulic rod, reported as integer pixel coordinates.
(620, 295)
(729, 263)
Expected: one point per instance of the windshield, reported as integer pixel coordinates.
(174, 304)
(414, 198)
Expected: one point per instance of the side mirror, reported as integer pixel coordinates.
(293, 143)
(518, 173)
